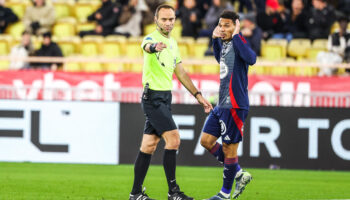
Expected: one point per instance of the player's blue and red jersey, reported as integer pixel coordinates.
(234, 58)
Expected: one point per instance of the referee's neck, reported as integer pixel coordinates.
(163, 34)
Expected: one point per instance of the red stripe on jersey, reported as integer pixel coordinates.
(232, 97)
(237, 120)
(243, 39)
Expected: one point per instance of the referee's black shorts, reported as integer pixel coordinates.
(157, 109)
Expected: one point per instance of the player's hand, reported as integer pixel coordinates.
(237, 28)
(205, 103)
(160, 46)
(216, 33)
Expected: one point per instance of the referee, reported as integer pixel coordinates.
(161, 60)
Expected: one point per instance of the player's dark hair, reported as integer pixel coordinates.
(165, 6)
(228, 14)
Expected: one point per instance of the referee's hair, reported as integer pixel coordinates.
(228, 14)
(165, 6)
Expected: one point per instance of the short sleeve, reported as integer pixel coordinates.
(146, 40)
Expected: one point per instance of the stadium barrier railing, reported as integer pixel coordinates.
(133, 95)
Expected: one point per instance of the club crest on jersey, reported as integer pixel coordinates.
(223, 127)
(223, 69)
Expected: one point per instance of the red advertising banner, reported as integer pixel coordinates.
(127, 87)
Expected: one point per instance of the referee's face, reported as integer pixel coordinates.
(165, 20)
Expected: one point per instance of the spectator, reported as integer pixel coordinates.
(270, 21)
(190, 18)
(260, 5)
(212, 17)
(252, 33)
(39, 18)
(337, 44)
(295, 21)
(320, 19)
(201, 5)
(6, 16)
(132, 27)
(245, 3)
(48, 49)
(22, 50)
(106, 18)
(211, 20)
(344, 7)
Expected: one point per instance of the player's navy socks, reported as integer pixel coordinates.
(169, 163)
(140, 170)
(217, 152)
(231, 167)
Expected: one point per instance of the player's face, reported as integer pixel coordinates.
(226, 28)
(165, 20)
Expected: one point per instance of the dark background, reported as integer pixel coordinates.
(292, 141)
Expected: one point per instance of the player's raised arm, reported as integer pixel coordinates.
(244, 51)
(216, 43)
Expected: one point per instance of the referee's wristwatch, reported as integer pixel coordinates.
(197, 93)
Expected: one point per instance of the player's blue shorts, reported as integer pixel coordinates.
(226, 123)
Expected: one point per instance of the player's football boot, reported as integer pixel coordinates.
(176, 194)
(241, 182)
(218, 197)
(140, 196)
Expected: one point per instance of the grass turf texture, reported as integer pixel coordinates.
(29, 181)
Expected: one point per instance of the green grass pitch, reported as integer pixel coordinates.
(33, 181)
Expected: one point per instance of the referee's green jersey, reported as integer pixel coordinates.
(158, 67)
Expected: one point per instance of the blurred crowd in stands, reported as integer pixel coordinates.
(262, 20)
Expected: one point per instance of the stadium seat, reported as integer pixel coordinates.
(112, 48)
(176, 32)
(312, 53)
(72, 67)
(272, 52)
(185, 45)
(37, 41)
(82, 10)
(208, 69)
(5, 47)
(280, 70)
(69, 45)
(90, 45)
(5, 44)
(335, 27)
(320, 43)
(297, 48)
(92, 67)
(134, 51)
(199, 47)
(63, 8)
(149, 29)
(15, 29)
(305, 70)
(18, 7)
(64, 28)
(281, 42)
(85, 26)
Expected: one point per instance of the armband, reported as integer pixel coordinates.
(152, 48)
(197, 93)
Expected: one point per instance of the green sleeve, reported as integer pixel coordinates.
(147, 40)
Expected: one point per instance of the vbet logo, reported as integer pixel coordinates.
(69, 132)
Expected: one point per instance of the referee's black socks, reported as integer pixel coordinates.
(140, 170)
(169, 163)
